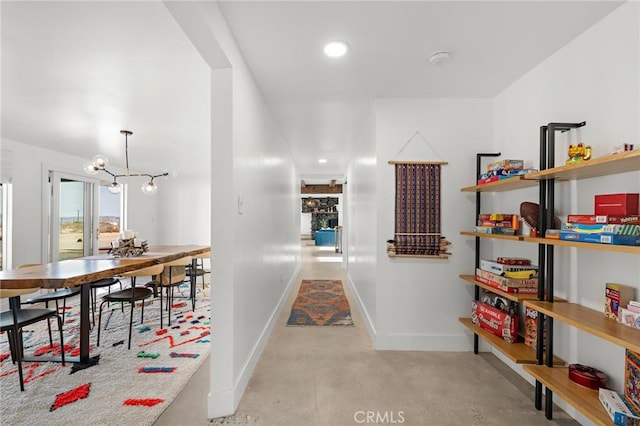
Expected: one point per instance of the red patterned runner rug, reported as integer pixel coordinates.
(322, 303)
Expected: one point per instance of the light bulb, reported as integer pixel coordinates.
(149, 188)
(115, 187)
(100, 161)
(89, 168)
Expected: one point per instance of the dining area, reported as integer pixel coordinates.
(93, 283)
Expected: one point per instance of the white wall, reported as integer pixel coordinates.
(185, 215)
(29, 182)
(255, 213)
(595, 78)
(419, 300)
(360, 235)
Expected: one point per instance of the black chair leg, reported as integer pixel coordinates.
(99, 324)
(132, 303)
(18, 343)
(46, 305)
(61, 337)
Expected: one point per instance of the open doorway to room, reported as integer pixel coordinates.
(322, 218)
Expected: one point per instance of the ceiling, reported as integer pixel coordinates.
(75, 73)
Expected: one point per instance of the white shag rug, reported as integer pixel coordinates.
(116, 391)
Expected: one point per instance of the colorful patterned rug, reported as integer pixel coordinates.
(126, 387)
(321, 302)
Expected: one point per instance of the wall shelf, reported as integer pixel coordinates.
(516, 352)
(591, 321)
(556, 242)
(627, 161)
(470, 279)
(590, 246)
(492, 236)
(582, 398)
(515, 182)
(420, 256)
(511, 296)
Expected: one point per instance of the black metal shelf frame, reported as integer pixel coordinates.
(544, 342)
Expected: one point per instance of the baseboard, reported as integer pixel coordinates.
(221, 404)
(408, 342)
(371, 329)
(220, 400)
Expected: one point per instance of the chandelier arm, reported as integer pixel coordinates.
(99, 163)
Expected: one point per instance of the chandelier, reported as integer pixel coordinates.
(100, 162)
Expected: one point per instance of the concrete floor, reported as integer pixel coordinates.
(332, 376)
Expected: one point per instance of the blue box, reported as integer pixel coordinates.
(601, 238)
(325, 237)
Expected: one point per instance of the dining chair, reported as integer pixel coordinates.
(199, 271)
(172, 276)
(94, 286)
(52, 296)
(131, 295)
(15, 319)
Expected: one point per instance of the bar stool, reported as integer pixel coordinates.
(172, 276)
(131, 295)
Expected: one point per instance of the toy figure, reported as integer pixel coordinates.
(578, 153)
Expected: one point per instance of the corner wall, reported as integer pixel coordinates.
(255, 212)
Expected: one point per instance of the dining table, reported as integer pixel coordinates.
(85, 270)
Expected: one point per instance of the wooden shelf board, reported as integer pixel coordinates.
(582, 398)
(421, 256)
(609, 164)
(556, 242)
(511, 296)
(591, 321)
(590, 246)
(515, 182)
(516, 352)
(492, 236)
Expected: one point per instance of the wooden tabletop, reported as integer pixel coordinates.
(74, 272)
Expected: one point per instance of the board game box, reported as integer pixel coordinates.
(616, 296)
(632, 379)
(495, 321)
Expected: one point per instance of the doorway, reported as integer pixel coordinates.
(84, 217)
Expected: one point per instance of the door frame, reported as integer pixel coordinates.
(50, 204)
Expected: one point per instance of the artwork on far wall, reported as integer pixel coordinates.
(324, 212)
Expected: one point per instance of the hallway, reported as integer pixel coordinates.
(331, 376)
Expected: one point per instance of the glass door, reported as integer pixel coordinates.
(73, 217)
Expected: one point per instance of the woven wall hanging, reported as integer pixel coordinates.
(417, 209)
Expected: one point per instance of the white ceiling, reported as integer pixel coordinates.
(75, 73)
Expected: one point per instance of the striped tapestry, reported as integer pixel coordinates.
(417, 229)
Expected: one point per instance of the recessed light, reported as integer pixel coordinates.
(322, 160)
(335, 49)
(439, 58)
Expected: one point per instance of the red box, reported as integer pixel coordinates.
(617, 204)
(495, 321)
(590, 219)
